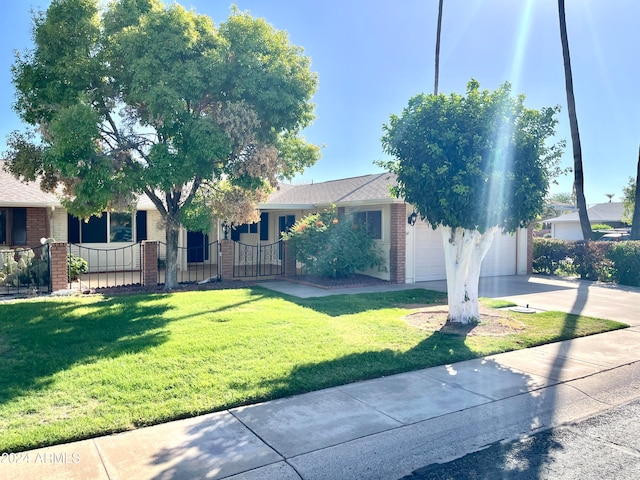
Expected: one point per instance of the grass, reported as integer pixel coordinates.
(81, 367)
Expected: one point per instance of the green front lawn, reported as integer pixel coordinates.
(80, 367)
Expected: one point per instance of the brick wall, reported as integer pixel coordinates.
(398, 253)
(226, 250)
(149, 263)
(37, 225)
(58, 266)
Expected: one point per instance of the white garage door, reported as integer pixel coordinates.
(501, 257)
(429, 255)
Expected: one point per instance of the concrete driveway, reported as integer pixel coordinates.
(581, 297)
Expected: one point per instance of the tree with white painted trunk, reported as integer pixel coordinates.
(473, 165)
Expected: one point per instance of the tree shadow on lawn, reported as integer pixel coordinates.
(415, 399)
(39, 339)
(437, 349)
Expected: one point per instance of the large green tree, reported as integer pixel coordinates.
(134, 97)
(472, 165)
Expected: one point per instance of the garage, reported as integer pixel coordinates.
(427, 251)
(501, 257)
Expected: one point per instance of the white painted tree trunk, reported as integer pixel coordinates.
(464, 251)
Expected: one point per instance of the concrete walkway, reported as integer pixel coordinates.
(387, 427)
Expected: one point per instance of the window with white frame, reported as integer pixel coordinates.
(372, 220)
(110, 227)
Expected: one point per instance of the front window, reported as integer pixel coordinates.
(120, 227)
(110, 227)
(372, 220)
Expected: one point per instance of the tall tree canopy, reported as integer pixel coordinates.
(473, 165)
(143, 98)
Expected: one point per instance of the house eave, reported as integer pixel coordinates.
(286, 206)
(25, 204)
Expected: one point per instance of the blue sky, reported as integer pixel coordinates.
(371, 56)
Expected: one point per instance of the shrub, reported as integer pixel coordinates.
(76, 266)
(332, 246)
(591, 261)
(625, 257)
(549, 253)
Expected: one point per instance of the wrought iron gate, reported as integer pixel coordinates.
(258, 260)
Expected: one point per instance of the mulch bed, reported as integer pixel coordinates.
(314, 280)
(183, 287)
(329, 283)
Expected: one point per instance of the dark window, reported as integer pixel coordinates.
(236, 231)
(141, 225)
(3, 226)
(73, 229)
(246, 228)
(286, 222)
(95, 230)
(19, 226)
(120, 227)
(373, 222)
(264, 226)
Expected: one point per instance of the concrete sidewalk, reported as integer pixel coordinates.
(383, 428)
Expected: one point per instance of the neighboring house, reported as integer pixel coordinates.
(27, 214)
(412, 253)
(567, 227)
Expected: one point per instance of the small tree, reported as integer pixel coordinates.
(333, 246)
(472, 165)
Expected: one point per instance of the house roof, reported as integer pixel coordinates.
(15, 193)
(367, 189)
(599, 213)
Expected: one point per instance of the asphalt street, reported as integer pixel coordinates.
(606, 446)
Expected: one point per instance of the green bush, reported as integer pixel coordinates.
(625, 258)
(549, 254)
(591, 260)
(333, 246)
(76, 266)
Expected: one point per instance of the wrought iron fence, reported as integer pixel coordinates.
(258, 260)
(25, 271)
(194, 264)
(101, 267)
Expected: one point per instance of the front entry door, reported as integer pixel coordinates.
(197, 247)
